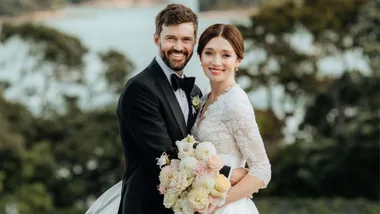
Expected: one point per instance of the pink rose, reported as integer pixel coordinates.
(202, 168)
(162, 189)
(215, 162)
(175, 163)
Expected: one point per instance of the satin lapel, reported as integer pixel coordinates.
(169, 95)
(190, 117)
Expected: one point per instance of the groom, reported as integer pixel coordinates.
(154, 111)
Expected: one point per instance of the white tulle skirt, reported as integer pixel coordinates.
(109, 202)
(242, 206)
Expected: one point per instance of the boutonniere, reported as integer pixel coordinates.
(196, 102)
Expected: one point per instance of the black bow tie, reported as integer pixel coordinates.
(185, 84)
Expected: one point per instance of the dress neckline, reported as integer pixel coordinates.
(199, 117)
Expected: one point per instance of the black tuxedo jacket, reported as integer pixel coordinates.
(150, 121)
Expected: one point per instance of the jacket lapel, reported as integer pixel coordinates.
(193, 112)
(167, 89)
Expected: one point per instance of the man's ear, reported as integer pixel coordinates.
(156, 39)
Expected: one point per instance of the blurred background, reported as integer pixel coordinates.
(312, 72)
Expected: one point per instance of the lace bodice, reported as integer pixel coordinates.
(229, 123)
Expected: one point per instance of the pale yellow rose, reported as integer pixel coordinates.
(198, 198)
(222, 184)
(215, 162)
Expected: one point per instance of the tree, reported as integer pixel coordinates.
(63, 159)
(284, 65)
(338, 136)
(56, 56)
(367, 33)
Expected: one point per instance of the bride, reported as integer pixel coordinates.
(226, 118)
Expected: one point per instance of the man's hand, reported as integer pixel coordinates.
(237, 174)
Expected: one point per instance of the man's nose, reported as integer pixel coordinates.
(178, 46)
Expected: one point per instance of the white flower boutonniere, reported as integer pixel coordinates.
(196, 102)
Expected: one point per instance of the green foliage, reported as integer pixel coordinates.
(337, 150)
(58, 56)
(315, 206)
(368, 35)
(118, 67)
(270, 129)
(349, 116)
(56, 47)
(54, 163)
(285, 65)
(326, 168)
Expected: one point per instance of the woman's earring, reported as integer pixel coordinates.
(236, 69)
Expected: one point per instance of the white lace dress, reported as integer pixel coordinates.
(229, 123)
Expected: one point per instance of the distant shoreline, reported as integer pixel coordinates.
(235, 13)
(57, 14)
(118, 3)
(33, 16)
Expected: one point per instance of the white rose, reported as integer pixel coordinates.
(186, 207)
(170, 200)
(183, 206)
(205, 181)
(188, 165)
(196, 102)
(198, 198)
(166, 175)
(178, 182)
(204, 150)
(185, 149)
(177, 208)
(175, 163)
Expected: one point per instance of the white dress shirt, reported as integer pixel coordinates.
(180, 94)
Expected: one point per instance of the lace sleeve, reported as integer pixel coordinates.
(243, 126)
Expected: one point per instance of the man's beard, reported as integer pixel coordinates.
(166, 60)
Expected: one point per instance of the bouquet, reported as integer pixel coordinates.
(193, 183)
